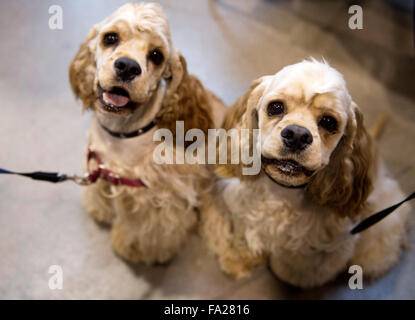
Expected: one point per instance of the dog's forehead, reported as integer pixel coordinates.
(144, 17)
(306, 79)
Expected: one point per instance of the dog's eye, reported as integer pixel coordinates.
(275, 108)
(328, 123)
(110, 39)
(156, 57)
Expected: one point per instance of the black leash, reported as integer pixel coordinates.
(91, 176)
(56, 177)
(375, 218)
(53, 177)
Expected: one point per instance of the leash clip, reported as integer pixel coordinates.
(82, 181)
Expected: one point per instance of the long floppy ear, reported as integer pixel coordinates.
(173, 74)
(242, 115)
(82, 71)
(185, 99)
(346, 182)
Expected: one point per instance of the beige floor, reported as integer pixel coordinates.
(227, 43)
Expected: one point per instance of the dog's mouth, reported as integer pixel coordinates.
(286, 167)
(115, 100)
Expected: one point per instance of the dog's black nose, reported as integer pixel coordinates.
(296, 138)
(126, 69)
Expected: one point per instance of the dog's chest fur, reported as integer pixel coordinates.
(122, 153)
(271, 218)
(171, 188)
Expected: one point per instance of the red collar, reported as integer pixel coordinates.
(107, 174)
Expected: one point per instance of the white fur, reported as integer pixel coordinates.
(306, 243)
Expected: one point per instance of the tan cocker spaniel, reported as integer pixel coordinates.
(319, 177)
(130, 76)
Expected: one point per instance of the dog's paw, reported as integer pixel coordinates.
(240, 264)
(123, 248)
(103, 217)
(236, 269)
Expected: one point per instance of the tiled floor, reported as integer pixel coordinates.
(227, 43)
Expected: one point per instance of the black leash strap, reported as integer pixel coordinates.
(370, 221)
(39, 175)
(53, 177)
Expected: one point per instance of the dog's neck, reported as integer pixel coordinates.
(290, 194)
(141, 117)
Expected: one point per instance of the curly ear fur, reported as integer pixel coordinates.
(346, 182)
(82, 72)
(185, 99)
(242, 115)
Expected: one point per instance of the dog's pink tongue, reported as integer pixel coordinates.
(115, 99)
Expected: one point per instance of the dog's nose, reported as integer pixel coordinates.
(296, 138)
(126, 69)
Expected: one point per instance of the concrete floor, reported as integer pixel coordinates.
(227, 43)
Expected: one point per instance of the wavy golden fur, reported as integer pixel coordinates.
(346, 183)
(189, 103)
(242, 115)
(82, 72)
(149, 224)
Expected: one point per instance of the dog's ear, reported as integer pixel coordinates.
(185, 98)
(173, 74)
(82, 71)
(242, 115)
(346, 182)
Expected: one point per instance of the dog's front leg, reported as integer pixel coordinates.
(235, 257)
(148, 230)
(97, 203)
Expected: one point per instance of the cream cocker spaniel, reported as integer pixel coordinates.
(130, 76)
(320, 176)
